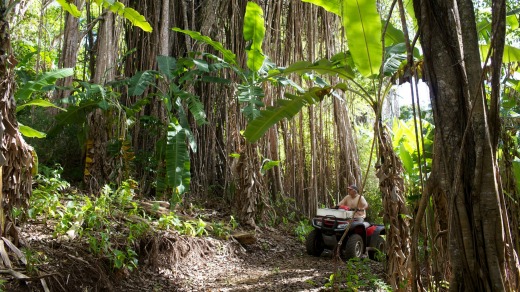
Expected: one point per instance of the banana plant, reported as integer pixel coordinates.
(360, 65)
(175, 148)
(260, 70)
(404, 143)
(42, 83)
(362, 24)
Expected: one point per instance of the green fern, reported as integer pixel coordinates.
(252, 96)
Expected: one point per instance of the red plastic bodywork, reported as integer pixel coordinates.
(370, 230)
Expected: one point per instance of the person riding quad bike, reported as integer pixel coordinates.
(331, 224)
(354, 201)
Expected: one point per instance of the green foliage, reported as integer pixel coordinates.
(43, 82)
(356, 276)
(250, 92)
(511, 54)
(33, 259)
(362, 24)
(69, 7)
(45, 199)
(254, 32)
(177, 160)
(268, 164)
(516, 171)
(233, 222)
(303, 228)
(405, 146)
(92, 219)
(30, 132)
(190, 227)
(220, 230)
(116, 7)
(280, 213)
(286, 108)
(169, 222)
(229, 56)
(174, 174)
(338, 65)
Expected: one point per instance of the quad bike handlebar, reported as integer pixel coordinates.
(355, 209)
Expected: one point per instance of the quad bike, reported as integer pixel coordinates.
(329, 227)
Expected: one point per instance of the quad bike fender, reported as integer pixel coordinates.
(375, 230)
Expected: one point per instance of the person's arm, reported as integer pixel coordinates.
(363, 204)
(343, 202)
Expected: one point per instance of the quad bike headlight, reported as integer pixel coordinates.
(341, 226)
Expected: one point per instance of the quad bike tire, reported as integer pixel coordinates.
(353, 248)
(378, 242)
(314, 243)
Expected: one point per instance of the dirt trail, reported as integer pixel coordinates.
(276, 262)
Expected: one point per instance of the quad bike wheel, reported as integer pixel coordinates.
(353, 248)
(378, 242)
(314, 243)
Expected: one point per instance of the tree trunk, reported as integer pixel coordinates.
(391, 183)
(510, 185)
(477, 240)
(16, 156)
(109, 125)
(69, 51)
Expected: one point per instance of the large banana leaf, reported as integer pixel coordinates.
(116, 7)
(406, 158)
(362, 25)
(129, 13)
(323, 66)
(136, 19)
(177, 159)
(363, 28)
(195, 106)
(254, 31)
(285, 108)
(408, 6)
(43, 80)
(69, 7)
(73, 115)
(511, 54)
(140, 81)
(229, 56)
(30, 132)
(40, 103)
(516, 171)
(333, 6)
(393, 35)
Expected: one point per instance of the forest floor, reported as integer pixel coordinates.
(275, 261)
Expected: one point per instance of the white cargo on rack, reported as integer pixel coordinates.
(338, 213)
